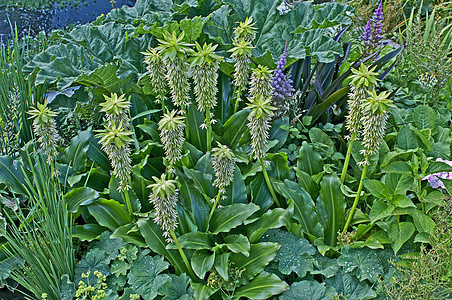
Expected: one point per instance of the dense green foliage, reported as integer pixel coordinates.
(167, 166)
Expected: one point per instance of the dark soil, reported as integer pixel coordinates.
(6, 294)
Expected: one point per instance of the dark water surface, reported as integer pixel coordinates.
(33, 21)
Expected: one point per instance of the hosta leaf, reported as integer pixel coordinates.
(260, 255)
(202, 261)
(236, 191)
(193, 201)
(308, 290)
(399, 233)
(364, 262)
(234, 127)
(263, 286)
(231, 216)
(201, 181)
(12, 175)
(145, 276)
(309, 161)
(75, 154)
(274, 218)
(202, 291)
(221, 264)
(295, 254)
(305, 211)
(79, 196)
(349, 286)
(197, 136)
(196, 240)
(331, 208)
(260, 194)
(238, 243)
(109, 213)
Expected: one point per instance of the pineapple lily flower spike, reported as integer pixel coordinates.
(259, 126)
(157, 73)
(174, 52)
(117, 110)
(205, 65)
(241, 53)
(172, 136)
(362, 81)
(376, 108)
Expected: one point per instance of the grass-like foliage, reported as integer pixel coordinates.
(40, 236)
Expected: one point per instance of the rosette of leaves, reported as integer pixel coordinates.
(245, 30)
(205, 65)
(174, 52)
(156, 67)
(44, 128)
(164, 198)
(261, 82)
(172, 135)
(116, 110)
(115, 142)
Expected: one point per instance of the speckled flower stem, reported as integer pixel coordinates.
(269, 184)
(237, 100)
(209, 129)
(347, 157)
(127, 200)
(212, 210)
(355, 203)
(184, 258)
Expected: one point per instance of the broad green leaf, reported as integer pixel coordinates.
(278, 133)
(221, 265)
(236, 191)
(143, 10)
(156, 242)
(12, 175)
(87, 232)
(423, 222)
(115, 194)
(309, 161)
(197, 136)
(145, 277)
(274, 218)
(305, 211)
(193, 201)
(260, 255)
(348, 284)
(110, 245)
(238, 243)
(131, 234)
(231, 216)
(295, 254)
(195, 240)
(331, 208)
(280, 166)
(263, 286)
(308, 290)
(192, 28)
(364, 262)
(399, 233)
(398, 167)
(109, 213)
(234, 128)
(402, 201)
(305, 181)
(202, 291)
(201, 181)
(202, 261)
(260, 194)
(398, 183)
(79, 196)
(75, 154)
(96, 154)
(325, 266)
(406, 138)
(377, 189)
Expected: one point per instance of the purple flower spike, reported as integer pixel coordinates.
(435, 179)
(282, 86)
(377, 23)
(367, 35)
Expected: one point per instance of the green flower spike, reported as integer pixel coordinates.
(259, 124)
(241, 53)
(205, 65)
(44, 128)
(224, 166)
(261, 82)
(174, 52)
(117, 110)
(115, 141)
(375, 115)
(164, 198)
(157, 72)
(172, 135)
(245, 30)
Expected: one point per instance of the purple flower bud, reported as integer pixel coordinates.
(282, 86)
(367, 35)
(377, 23)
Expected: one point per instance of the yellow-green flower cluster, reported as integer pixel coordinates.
(85, 291)
(164, 198)
(44, 128)
(261, 82)
(224, 166)
(172, 136)
(157, 72)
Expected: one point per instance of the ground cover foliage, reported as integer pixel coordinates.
(228, 150)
